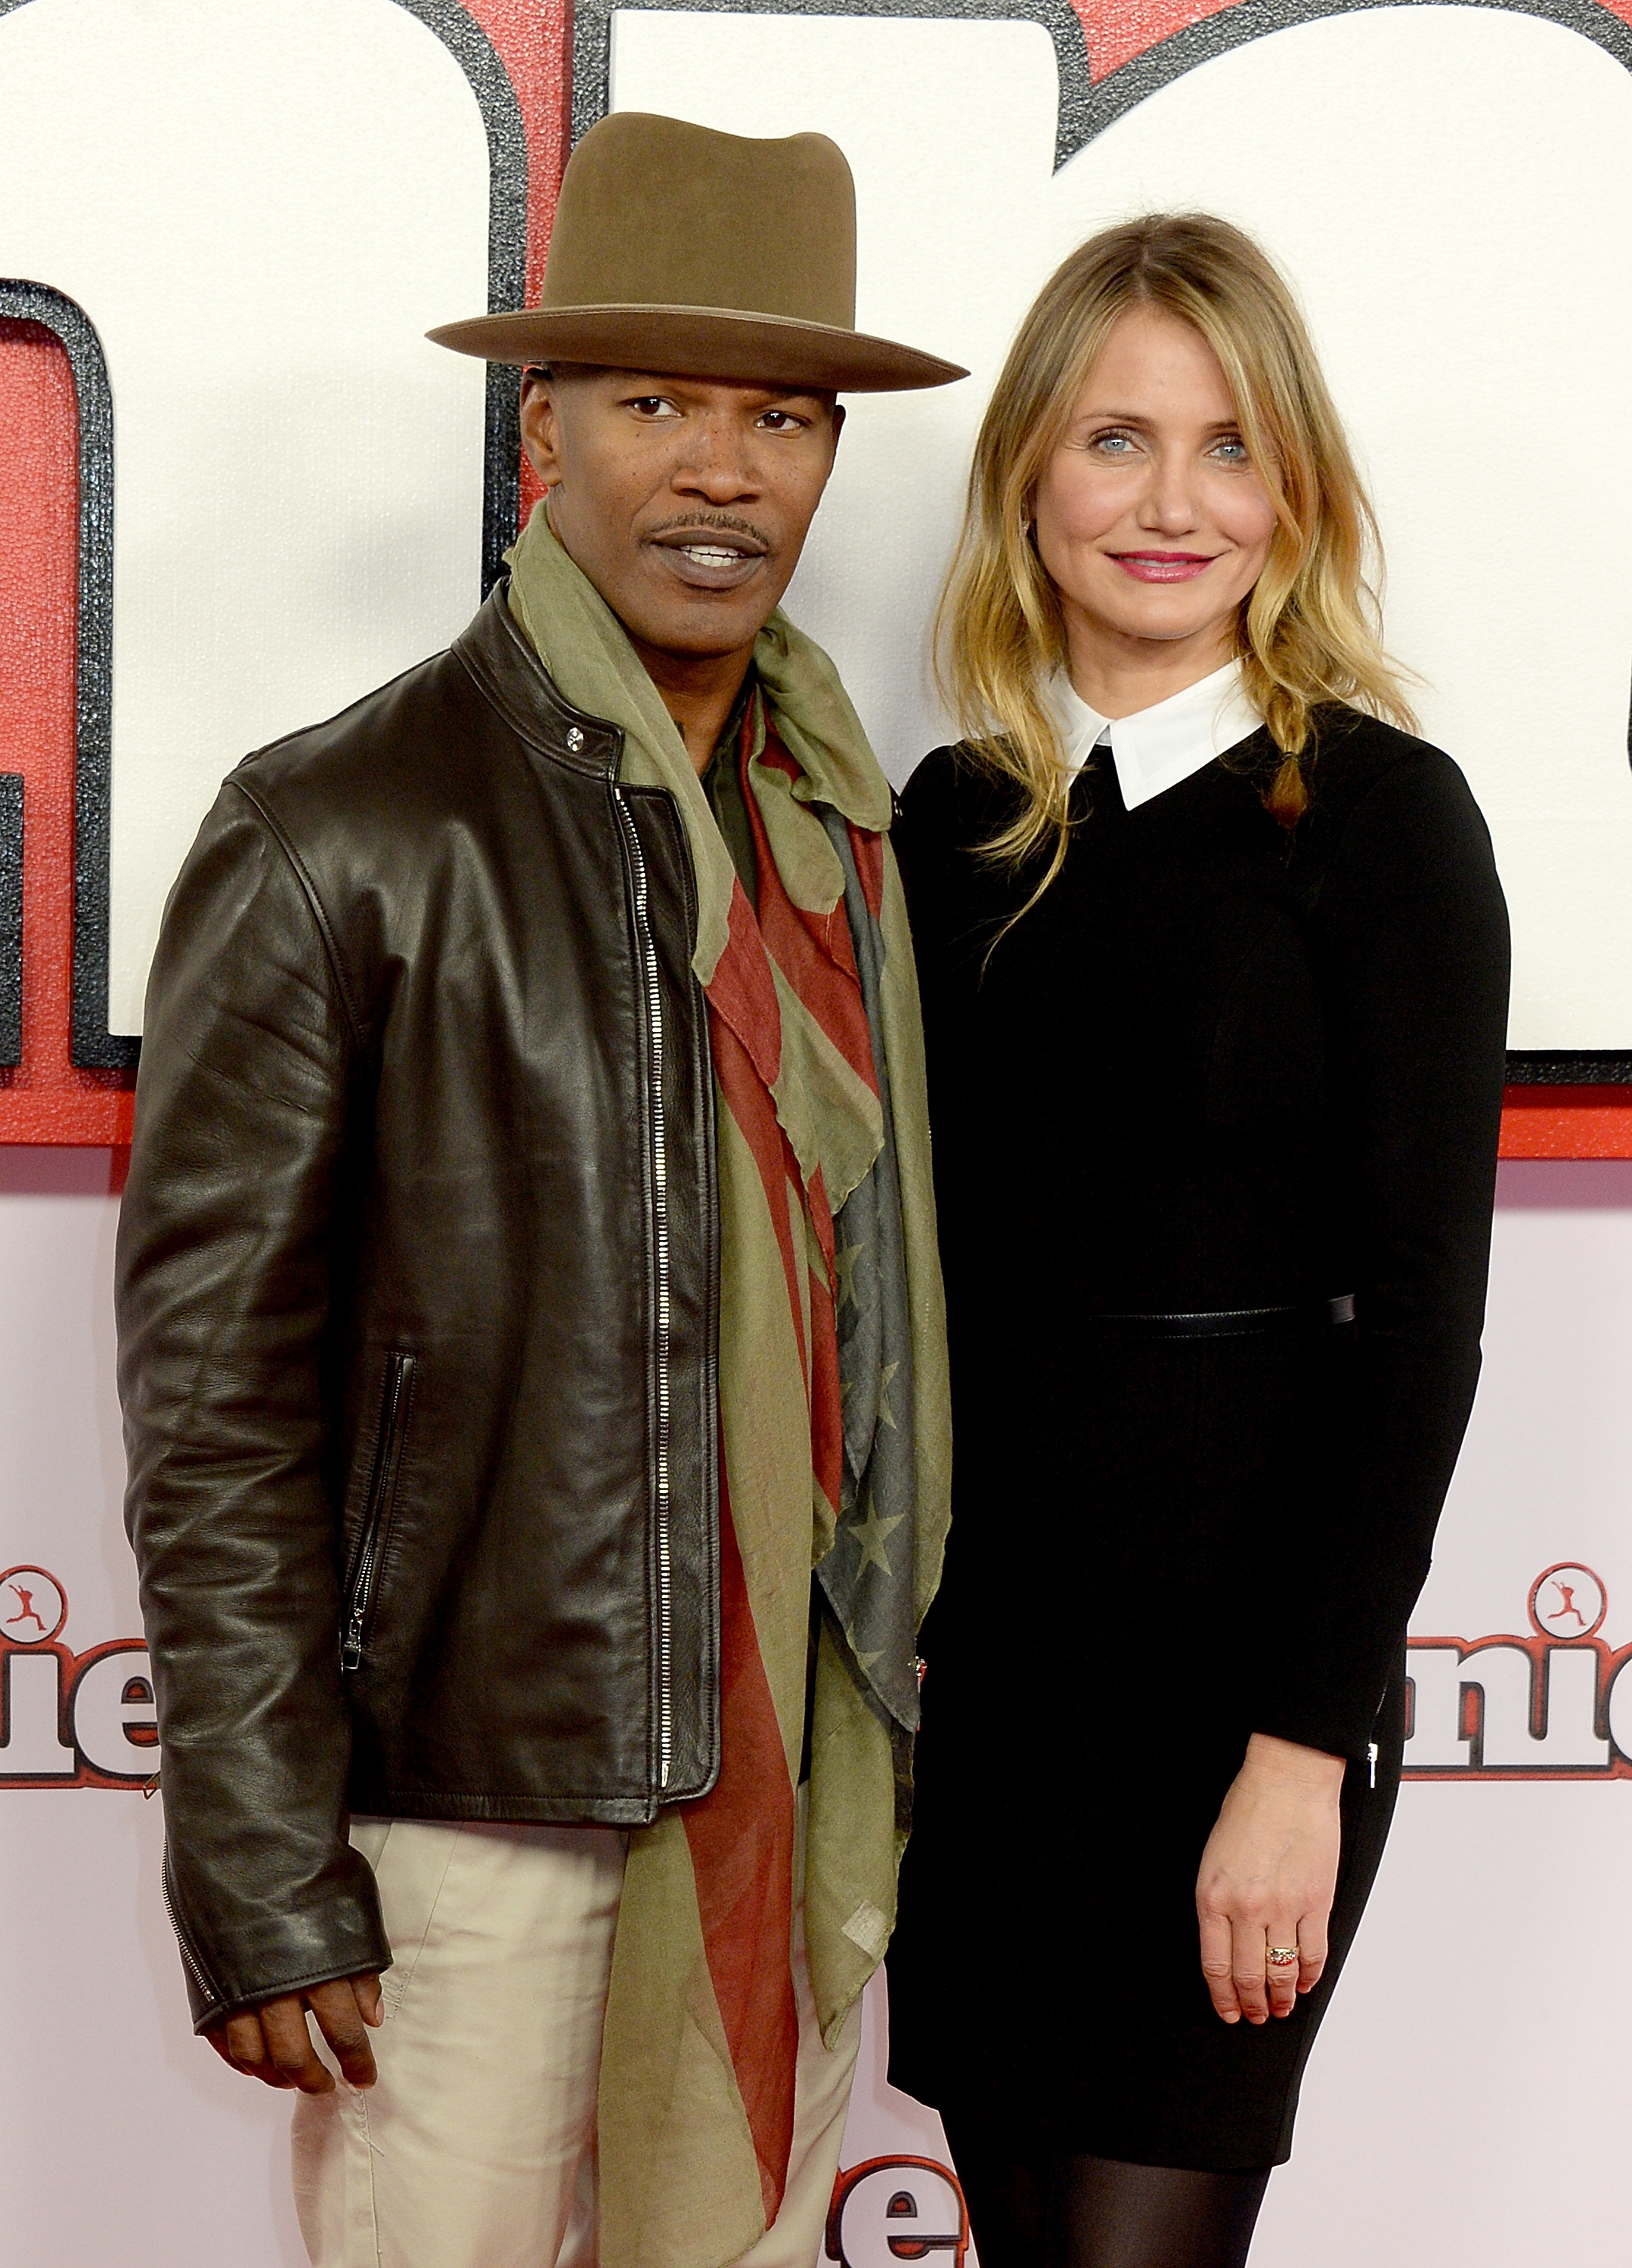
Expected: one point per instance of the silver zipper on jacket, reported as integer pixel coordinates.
(361, 1591)
(194, 1967)
(660, 1239)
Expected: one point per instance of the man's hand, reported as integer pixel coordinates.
(272, 2042)
(1267, 1878)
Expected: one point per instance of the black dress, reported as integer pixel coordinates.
(1215, 1067)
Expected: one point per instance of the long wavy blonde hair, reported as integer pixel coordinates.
(1308, 631)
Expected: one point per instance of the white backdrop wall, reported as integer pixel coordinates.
(1467, 267)
(1466, 2103)
(262, 206)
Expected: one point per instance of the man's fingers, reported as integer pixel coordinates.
(244, 2045)
(289, 2043)
(272, 2042)
(1217, 1966)
(217, 2037)
(339, 2012)
(246, 2049)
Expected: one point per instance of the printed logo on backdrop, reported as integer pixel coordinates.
(889, 2209)
(1554, 1705)
(68, 1720)
(436, 100)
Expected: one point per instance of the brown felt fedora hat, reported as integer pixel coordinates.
(679, 250)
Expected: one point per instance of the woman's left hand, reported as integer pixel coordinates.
(1267, 1878)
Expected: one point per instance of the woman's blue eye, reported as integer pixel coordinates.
(1112, 443)
(1234, 449)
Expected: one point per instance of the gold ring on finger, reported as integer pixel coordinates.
(1281, 1956)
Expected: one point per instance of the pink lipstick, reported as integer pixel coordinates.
(1163, 566)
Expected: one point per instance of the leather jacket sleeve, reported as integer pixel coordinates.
(233, 1216)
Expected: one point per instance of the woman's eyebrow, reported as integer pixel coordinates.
(1138, 417)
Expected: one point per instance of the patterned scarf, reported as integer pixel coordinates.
(835, 1439)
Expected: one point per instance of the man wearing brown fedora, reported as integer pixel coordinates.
(526, 1277)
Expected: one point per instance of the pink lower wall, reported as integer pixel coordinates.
(1466, 2101)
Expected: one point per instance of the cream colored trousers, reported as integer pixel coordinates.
(475, 2147)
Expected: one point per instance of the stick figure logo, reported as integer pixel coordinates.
(33, 1606)
(1568, 1601)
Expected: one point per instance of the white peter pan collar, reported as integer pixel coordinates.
(1156, 747)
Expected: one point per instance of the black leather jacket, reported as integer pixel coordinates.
(417, 1304)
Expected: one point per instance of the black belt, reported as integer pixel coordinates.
(1227, 1322)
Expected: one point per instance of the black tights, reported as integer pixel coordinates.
(1067, 2210)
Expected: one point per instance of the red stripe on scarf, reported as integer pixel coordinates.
(814, 951)
(867, 849)
(743, 990)
(741, 1840)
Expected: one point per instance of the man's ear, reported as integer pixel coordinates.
(838, 424)
(541, 426)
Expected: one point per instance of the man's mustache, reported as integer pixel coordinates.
(714, 523)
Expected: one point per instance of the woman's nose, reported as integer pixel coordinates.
(1170, 499)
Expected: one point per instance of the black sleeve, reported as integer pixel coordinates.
(921, 838)
(958, 900)
(224, 1287)
(1412, 930)
(923, 841)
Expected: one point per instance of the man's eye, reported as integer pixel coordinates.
(780, 421)
(650, 405)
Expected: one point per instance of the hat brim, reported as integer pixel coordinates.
(720, 343)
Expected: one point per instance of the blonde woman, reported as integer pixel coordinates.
(1214, 961)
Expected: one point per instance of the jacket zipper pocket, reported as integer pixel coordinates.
(657, 1132)
(194, 1967)
(382, 1489)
